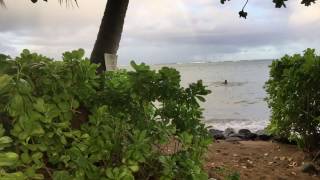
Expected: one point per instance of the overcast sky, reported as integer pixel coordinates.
(163, 31)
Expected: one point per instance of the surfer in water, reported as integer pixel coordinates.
(225, 82)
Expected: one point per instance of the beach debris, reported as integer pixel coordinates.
(212, 165)
(235, 155)
(282, 158)
(270, 163)
(293, 164)
(225, 153)
(249, 164)
(276, 158)
(294, 173)
(266, 154)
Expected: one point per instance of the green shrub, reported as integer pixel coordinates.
(294, 98)
(60, 120)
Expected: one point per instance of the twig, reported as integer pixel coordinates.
(245, 5)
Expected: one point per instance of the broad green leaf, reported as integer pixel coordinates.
(5, 141)
(37, 129)
(12, 176)
(5, 80)
(2, 130)
(64, 106)
(24, 87)
(61, 175)
(25, 158)
(40, 105)
(16, 105)
(8, 159)
(134, 168)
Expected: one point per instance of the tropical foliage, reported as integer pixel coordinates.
(294, 97)
(60, 120)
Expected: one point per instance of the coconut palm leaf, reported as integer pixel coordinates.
(68, 2)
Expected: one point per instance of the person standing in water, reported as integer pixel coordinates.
(225, 82)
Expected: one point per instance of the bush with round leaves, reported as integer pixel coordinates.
(60, 120)
(294, 98)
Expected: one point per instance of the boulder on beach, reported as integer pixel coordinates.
(246, 134)
(244, 131)
(263, 135)
(216, 134)
(243, 134)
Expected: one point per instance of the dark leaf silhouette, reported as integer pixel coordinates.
(308, 2)
(223, 1)
(243, 14)
(279, 3)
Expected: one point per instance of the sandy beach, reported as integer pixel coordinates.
(257, 160)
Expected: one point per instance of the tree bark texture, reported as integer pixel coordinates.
(110, 31)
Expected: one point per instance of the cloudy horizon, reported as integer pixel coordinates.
(165, 31)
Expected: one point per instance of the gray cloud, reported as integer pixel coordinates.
(166, 30)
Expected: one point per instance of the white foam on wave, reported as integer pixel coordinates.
(237, 124)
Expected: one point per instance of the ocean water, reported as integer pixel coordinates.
(240, 103)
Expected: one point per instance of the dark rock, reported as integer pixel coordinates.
(246, 134)
(244, 131)
(309, 168)
(216, 134)
(251, 136)
(263, 135)
(228, 132)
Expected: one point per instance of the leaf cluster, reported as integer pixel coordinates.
(277, 3)
(60, 120)
(294, 98)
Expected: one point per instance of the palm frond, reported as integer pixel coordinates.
(68, 2)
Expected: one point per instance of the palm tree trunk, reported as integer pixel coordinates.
(110, 31)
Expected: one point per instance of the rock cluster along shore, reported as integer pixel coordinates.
(230, 134)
